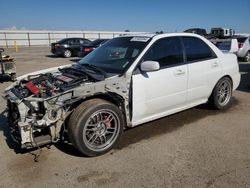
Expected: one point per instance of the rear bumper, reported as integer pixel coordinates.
(82, 54)
(57, 51)
(241, 53)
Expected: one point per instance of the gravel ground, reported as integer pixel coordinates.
(195, 148)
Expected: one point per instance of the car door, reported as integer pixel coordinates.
(203, 67)
(154, 94)
(75, 45)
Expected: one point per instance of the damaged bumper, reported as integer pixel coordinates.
(36, 122)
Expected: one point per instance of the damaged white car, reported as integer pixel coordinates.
(128, 81)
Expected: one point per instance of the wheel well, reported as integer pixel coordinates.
(225, 76)
(228, 76)
(68, 49)
(111, 97)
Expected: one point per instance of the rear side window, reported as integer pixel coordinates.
(70, 41)
(197, 50)
(167, 52)
(76, 41)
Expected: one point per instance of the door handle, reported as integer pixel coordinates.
(215, 64)
(179, 72)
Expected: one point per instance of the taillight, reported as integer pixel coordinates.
(240, 45)
(57, 45)
(88, 49)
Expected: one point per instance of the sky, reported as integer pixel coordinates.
(118, 15)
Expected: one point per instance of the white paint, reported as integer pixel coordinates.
(202, 78)
(171, 90)
(159, 91)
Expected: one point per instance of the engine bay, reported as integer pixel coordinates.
(49, 84)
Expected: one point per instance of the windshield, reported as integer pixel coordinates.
(116, 55)
(97, 42)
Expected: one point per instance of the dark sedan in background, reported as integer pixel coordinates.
(68, 47)
(86, 49)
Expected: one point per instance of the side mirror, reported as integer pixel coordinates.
(1, 50)
(150, 66)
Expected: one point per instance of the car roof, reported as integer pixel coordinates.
(73, 38)
(153, 35)
(149, 35)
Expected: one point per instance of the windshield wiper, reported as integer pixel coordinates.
(95, 68)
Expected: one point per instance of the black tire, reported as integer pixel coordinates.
(247, 57)
(79, 127)
(13, 77)
(67, 53)
(216, 99)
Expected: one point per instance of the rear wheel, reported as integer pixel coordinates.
(247, 57)
(95, 127)
(222, 94)
(67, 53)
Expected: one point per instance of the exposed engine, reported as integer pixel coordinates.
(39, 104)
(49, 84)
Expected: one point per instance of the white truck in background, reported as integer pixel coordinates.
(222, 32)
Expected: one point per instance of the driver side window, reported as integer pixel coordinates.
(166, 51)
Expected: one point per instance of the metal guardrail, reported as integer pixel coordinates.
(28, 38)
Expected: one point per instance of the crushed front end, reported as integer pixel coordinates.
(38, 105)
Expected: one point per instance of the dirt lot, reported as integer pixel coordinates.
(195, 148)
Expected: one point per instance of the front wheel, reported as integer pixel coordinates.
(95, 127)
(13, 77)
(222, 94)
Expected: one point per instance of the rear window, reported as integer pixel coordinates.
(97, 42)
(224, 46)
(63, 40)
(242, 39)
(197, 50)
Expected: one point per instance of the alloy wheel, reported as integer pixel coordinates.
(101, 130)
(224, 92)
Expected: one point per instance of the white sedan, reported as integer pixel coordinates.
(128, 81)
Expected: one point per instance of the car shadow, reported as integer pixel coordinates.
(68, 148)
(75, 60)
(245, 77)
(155, 128)
(52, 56)
(5, 78)
(6, 132)
(130, 136)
